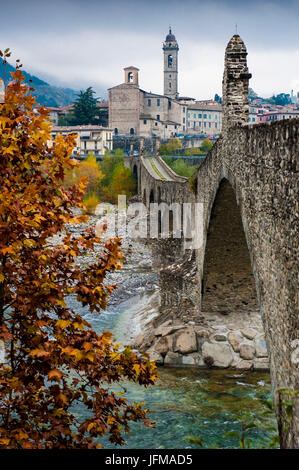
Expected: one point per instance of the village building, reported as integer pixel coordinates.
(204, 119)
(90, 139)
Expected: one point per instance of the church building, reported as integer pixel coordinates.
(133, 111)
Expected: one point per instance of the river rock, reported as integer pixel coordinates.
(235, 338)
(167, 330)
(185, 341)
(220, 337)
(249, 333)
(163, 345)
(220, 353)
(139, 340)
(247, 351)
(172, 359)
(188, 360)
(261, 364)
(201, 332)
(245, 365)
(260, 348)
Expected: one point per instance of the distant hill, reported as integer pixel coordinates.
(47, 95)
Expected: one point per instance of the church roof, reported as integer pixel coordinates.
(131, 67)
(170, 37)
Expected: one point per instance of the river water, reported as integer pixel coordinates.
(187, 401)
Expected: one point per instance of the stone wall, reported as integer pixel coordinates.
(261, 163)
(125, 106)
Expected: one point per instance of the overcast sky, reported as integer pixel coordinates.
(77, 43)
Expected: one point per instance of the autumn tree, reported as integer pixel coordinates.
(122, 182)
(206, 146)
(54, 360)
(117, 179)
(89, 169)
(171, 147)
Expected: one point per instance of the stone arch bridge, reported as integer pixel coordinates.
(248, 188)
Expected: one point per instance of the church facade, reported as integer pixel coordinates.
(133, 111)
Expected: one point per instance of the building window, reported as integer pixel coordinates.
(130, 77)
(194, 115)
(170, 60)
(188, 114)
(158, 102)
(116, 131)
(216, 125)
(149, 102)
(158, 117)
(199, 116)
(184, 110)
(169, 84)
(183, 120)
(132, 131)
(144, 121)
(209, 124)
(205, 116)
(199, 124)
(205, 124)
(216, 116)
(210, 117)
(156, 123)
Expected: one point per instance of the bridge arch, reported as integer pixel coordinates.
(228, 285)
(135, 174)
(152, 196)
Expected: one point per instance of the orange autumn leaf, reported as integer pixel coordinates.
(55, 374)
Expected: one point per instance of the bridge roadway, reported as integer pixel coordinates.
(159, 170)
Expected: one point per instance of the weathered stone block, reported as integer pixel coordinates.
(235, 338)
(186, 342)
(249, 333)
(163, 345)
(220, 353)
(172, 359)
(260, 348)
(261, 364)
(167, 330)
(247, 351)
(188, 360)
(245, 365)
(220, 337)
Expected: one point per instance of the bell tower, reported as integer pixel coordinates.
(171, 49)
